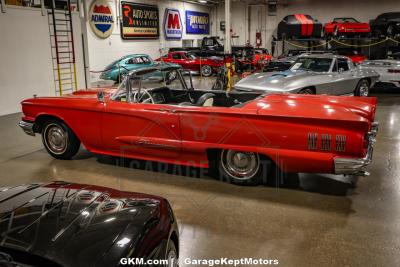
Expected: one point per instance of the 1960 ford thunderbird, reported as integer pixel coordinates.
(235, 133)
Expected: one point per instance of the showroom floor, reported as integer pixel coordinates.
(322, 221)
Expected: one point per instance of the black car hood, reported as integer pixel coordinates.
(74, 224)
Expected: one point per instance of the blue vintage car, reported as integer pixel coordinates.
(120, 67)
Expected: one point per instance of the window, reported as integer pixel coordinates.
(145, 60)
(312, 64)
(132, 61)
(335, 67)
(343, 64)
(176, 56)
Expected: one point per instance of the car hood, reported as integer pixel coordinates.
(273, 81)
(348, 108)
(75, 224)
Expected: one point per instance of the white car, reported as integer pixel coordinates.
(388, 69)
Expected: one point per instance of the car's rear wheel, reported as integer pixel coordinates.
(306, 91)
(206, 70)
(172, 254)
(239, 167)
(362, 88)
(59, 140)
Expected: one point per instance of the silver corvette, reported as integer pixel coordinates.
(314, 74)
(388, 69)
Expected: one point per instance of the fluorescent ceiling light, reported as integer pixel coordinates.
(203, 1)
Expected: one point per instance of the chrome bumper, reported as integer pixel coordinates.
(27, 127)
(354, 166)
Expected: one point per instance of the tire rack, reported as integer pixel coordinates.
(62, 49)
(370, 46)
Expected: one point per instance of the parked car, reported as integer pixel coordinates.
(280, 64)
(346, 27)
(261, 58)
(355, 56)
(240, 136)
(388, 69)
(72, 225)
(386, 24)
(189, 61)
(299, 26)
(120, 67)
(314, 74)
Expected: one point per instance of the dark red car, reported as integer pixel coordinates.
(346, 26)
(189, 61)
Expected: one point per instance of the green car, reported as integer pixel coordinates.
(116, 70)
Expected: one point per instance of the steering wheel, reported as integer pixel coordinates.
(143, 97)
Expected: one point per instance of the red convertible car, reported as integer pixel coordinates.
(189, 61)
(346, 26)
(241, 136)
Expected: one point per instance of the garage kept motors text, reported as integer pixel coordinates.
(139, 21)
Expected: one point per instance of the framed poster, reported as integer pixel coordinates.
(173, 28)
(197, 22)
(139, 21)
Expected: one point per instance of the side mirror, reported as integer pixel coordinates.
(100, 96)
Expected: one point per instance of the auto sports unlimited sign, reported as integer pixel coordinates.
(197, 22)
(101, 19)
(139, 21)
(173, 29)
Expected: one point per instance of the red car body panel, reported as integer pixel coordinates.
(189, 63)
(276, 126)
(349, 28)
(358, 59)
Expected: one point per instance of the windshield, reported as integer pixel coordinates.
(345, 20)
(312, 64)
(190, 56)
(151, 80)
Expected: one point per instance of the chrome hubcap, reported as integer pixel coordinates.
(55, 138)
(240, 165)
(172, 75)
(364, 89)
(206, 70)
(172, 259)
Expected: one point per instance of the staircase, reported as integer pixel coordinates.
(62, 48)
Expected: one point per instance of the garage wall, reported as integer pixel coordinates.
(103, 51)
(25, 57)
(324, 11)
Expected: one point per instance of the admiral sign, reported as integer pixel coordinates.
(172, 24)
(197, 22)
(139, 21)
(101, 18)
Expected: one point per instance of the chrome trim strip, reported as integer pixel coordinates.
(27, 127)
(326, 141)
(355, 166)
(340, 143)
(312, 141)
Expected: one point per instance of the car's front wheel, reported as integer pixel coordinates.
(59, 140)
(239, 167)
(362, 88)
(206, 70)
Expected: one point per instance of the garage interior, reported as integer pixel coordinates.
(317, 220)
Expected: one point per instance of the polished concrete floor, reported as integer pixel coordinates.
(321, 221)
